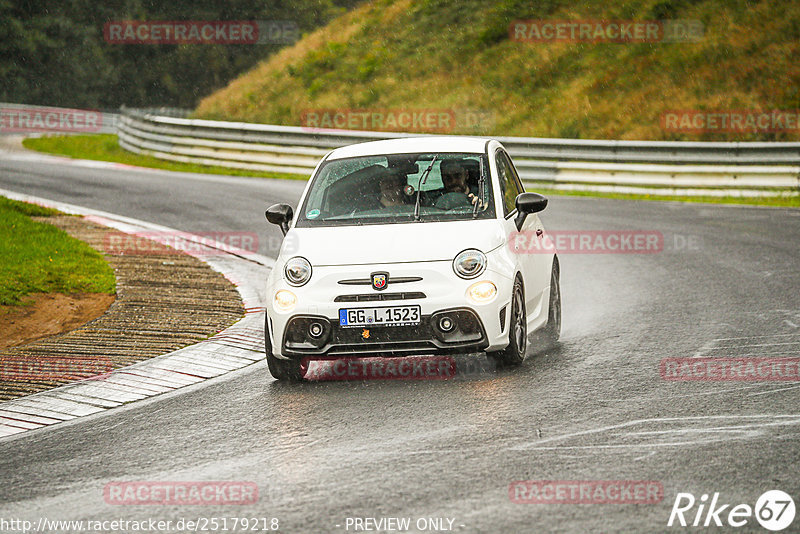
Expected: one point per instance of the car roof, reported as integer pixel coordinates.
(414, 145)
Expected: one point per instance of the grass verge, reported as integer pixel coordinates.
(36, 257)
(104, 147)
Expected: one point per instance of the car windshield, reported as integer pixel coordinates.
(384, 189)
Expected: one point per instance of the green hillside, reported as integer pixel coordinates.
(459, 57)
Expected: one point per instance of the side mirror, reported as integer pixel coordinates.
(528, 203)
(280, 214)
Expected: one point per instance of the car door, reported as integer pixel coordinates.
(535, 266)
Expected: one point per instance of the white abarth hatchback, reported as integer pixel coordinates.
(410, 246)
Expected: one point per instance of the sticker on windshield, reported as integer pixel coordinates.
(313, 214)
(408, 190)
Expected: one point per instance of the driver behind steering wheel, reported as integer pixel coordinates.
(454, 178)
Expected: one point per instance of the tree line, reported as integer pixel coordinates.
(54, 52)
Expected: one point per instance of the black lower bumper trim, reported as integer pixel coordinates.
(424, 338)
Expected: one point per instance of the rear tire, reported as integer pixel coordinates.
(514, 353)
(283, 370)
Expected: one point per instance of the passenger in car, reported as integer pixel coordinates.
(391, 184)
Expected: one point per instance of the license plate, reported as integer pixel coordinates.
(382, 316)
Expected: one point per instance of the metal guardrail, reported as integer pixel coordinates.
(652, 167)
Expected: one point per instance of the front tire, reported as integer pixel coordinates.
(547, 337)
(514, 353)
(283, 370)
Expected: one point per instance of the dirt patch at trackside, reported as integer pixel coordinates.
(47, 314)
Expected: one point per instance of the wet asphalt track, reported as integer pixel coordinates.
(594, 408)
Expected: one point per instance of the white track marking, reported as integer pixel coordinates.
(757, 345)
(755, 337)
(771, 421)
(773, 391)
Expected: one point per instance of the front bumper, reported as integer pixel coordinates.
(480, 327)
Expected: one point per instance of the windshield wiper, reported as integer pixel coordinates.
(481, 192)
(420, 184)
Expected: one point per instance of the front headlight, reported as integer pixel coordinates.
(469, 263)
(297, 271)
(482, 292)
(285, 300)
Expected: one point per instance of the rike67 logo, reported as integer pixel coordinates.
(774, 511)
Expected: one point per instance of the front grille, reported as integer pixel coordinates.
(389, 280)
(423, 338)
(369, 297)
(384, 349)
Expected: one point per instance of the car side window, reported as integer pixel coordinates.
(509, 183)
